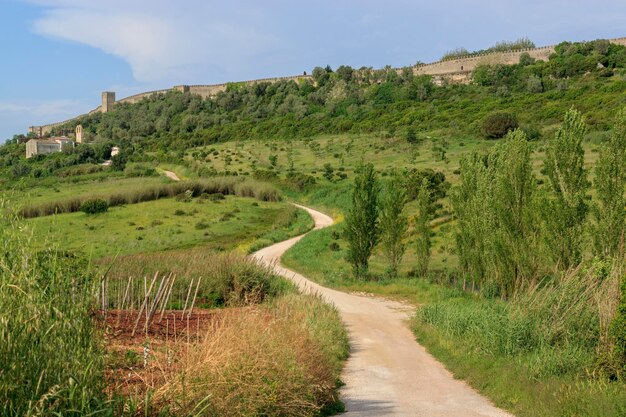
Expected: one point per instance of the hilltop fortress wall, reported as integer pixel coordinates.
(453, 70)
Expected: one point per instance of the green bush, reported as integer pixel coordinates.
(94, 206)
(497, 125)
(299, 181)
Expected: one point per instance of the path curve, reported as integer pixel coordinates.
(171, 175)
(388, 373)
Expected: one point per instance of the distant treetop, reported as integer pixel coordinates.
(502, 46)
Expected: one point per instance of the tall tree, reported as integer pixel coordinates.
(422, 228)
(361, 227)
(566, 209)
(393, 223)
(515, 231)
(610, 181)
(495, 207)
(469, 204)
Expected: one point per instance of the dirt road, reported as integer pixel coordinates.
(388, 372)
(171, 175)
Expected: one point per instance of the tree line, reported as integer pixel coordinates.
(512, 227)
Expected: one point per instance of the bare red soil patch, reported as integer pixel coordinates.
(146, 360)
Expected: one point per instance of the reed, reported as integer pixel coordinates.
(218, 185)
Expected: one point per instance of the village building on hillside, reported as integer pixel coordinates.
(46, 146)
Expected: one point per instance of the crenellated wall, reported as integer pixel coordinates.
(454, 70)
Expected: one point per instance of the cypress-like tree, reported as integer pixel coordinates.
(469, 205)
(495, 208)
(361, 226)
(610, 180)
(393, 223)
(515, 231)
(422, 228)
(566, 209)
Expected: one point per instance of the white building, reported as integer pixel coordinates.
(46, 146)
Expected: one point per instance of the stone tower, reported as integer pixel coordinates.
(79, 134)
(108, 99)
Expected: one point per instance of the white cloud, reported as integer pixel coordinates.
(186, 41)
(46, 109)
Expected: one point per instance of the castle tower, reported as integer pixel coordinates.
(108, 99)
(79, 134)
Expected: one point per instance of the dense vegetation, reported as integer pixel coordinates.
(53, 358)
(518, 267)
(353, 101)
(50, 351)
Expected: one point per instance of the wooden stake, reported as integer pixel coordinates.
(145, 301)
(126, 293)
(188, 295)
(167, 297)
(157, 298)
(194, 297)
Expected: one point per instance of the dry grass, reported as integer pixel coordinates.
(271, 361)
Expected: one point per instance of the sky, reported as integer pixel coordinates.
(57, 56)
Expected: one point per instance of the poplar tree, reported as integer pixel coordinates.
(422, 228)
(496, 222)
(393, 223)
(469, 206)
(566, 209)
(610, 180)
(361, 226)
(514, 233)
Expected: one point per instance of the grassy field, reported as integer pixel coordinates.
(227, 224)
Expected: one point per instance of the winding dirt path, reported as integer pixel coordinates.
(388, 373)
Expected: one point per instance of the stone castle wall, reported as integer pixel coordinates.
(454, 70)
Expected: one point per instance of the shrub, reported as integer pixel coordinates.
(334, 246)
(497, 125)
(94, 206)
(299, 181)
(140, 170)
(202, 225)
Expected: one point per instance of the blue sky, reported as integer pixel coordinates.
(58, 55)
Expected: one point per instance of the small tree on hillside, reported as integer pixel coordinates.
(422, 228)
(393, 223)
(361, 226)
(566, 209)
(610, 218)
(497, 125)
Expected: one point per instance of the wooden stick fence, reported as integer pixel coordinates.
(149, 298)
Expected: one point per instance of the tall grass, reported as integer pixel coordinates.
(50, 357)
(561, 326)
(217, 185)
(281, 359)
(227, 279)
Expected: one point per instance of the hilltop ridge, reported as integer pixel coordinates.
(457, 70)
